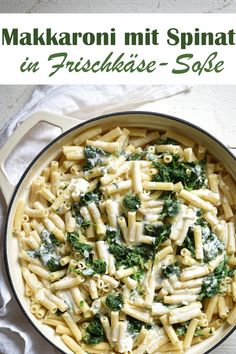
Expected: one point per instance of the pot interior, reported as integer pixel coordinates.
(130, 119)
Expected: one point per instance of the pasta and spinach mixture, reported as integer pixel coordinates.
(127, 243)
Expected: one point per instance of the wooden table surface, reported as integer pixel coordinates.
(211, 107)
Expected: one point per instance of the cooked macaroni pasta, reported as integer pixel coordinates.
(127, 243)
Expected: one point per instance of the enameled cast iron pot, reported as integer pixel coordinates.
(71, 128)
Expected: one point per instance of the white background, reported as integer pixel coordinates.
(13, 56)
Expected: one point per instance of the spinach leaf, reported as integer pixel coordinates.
(167, 141)
(212, 246)
(84, 249)
(172, 269)
(131, 202)
(137, 155)
(212, 282)
(94, 332)
(131, 256)
(114, 302)
(47, 252)
(191, 174)
(90, 197)
(170, 208)
(99, 266)
(160, 232)
(93, 157)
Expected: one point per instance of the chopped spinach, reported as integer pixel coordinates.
(134, 326)
(94, 332)
(84, 249)
(131, 202)
(172, 269)
(93, 267)
(47, 252)
(138, 275)
(131, 256)
(90, 197)
(213, 281)
(167, 141)
(181, 330)
(112, 234)
(191, 174)
(160, 232)
(53, 239)
(212, 246)
(85, 224)
(163, 174)
(170, 208)
(93, 157)
(53, 264)
(99, 266)
(114, 302)
(58, 313)
(189, 242)
(137, 155)
(75, 208)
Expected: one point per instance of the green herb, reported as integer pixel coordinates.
(137, 156)
(160, 232)
(90, 197)
(75, 209)
(85, 224)
(181, 330)
(138, 275)
(200, 221)
(134, 326)
(189, 242)
(198, 332)
(170, 208)
(131, 202)
(54, 241)
(131, 256)
(212, 246)
(112, 234)
(167, 141)
(125, 154)
(94, 332)
(114, 302)
(82, 303)
(163, 174)
(99, 266)
(212, 282)
(34, 254)
(47, 252)
(191, 174)
(172, 269)
(84, 249)
(93, 157)
(58, 312)
(53, 264)
(166, 195)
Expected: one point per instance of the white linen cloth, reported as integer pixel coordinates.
(17, 336)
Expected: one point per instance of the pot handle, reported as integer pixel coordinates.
(63, 122)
